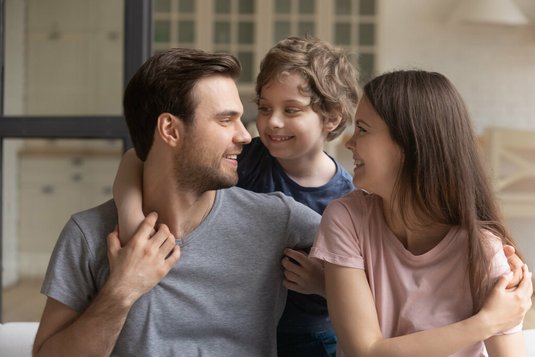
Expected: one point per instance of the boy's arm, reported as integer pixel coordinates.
(127, 193)
(134, 270)
(352, 311)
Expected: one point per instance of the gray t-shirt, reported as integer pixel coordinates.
(224, 296)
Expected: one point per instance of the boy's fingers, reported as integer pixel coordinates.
(290, 264)
(298, 256)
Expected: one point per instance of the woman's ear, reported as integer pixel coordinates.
(167, 128)
(331, 123)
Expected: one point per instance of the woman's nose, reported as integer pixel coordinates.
(350, 144)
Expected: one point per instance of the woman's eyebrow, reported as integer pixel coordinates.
(362, 122)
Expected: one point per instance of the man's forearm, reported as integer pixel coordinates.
(93, 333)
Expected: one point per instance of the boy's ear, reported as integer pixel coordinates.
(168, 128)
(331, 123)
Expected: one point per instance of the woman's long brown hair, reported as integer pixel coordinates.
(442, 176)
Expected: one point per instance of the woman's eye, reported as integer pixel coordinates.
(264, 109)
(360, 130)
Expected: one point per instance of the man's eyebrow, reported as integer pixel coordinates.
(228, 113)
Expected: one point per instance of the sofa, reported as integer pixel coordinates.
(16, 339)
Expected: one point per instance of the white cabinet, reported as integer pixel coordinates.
(53, 186)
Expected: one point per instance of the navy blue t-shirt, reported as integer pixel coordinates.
(260, 172)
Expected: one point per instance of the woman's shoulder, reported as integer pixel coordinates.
(358, 203)
(491, 242)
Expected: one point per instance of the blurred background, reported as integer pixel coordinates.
(65, 64)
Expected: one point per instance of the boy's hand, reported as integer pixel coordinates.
(515, 264)
(303, 274)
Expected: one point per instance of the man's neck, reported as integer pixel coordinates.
(181, 211)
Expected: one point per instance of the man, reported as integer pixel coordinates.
(225, 295)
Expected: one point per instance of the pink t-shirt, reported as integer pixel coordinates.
(411, 292)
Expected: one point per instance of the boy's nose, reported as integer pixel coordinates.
(275, 121)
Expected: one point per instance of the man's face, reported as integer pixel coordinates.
(207, 158)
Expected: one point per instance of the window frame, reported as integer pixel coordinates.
(137, 48)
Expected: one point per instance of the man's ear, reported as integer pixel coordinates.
(331, 123)
(168, 128)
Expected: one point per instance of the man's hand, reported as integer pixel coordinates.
(143, 262)
(515, 264)
(303, 274)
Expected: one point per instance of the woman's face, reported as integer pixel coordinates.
(377, 158)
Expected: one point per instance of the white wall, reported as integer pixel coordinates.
(492, 66)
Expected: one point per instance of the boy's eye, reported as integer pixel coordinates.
(292, 110)
(264, 109)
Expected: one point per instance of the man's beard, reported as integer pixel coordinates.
(194, 171)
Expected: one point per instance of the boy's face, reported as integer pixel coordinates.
(207, 157)
(286, 123)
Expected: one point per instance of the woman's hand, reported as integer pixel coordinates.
(505, 308)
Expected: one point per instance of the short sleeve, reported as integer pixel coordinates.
(337, 241)
(302, 224)
(69, 278)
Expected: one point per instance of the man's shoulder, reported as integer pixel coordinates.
(104, 211)
(97, 221)
(264, 204)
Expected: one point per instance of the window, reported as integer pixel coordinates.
(61, 128)
(248, 28)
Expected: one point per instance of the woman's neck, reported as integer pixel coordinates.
(418, 235)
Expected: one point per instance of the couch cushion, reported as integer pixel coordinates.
(16, 338)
